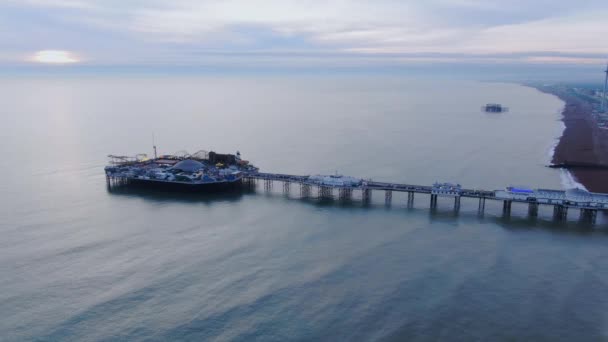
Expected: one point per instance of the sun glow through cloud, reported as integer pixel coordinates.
(54, 57)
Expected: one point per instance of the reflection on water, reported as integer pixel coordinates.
(147, 193)
(518, 220)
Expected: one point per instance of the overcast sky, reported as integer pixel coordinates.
(305, 33)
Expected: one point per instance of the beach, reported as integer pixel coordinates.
(582, 142)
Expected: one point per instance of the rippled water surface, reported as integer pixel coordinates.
(80, 262)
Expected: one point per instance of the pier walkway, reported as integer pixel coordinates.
(324, 187)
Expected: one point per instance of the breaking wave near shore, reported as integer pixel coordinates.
(567, 179)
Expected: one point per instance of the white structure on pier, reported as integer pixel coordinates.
(571, 197)
(335, 180)
(446, 189)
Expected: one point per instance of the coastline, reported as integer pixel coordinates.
(582, 141)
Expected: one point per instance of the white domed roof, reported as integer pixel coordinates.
(188, 165)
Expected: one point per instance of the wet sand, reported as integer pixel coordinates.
(582, 141)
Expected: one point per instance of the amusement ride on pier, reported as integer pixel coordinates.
(201, 171)
(211, 172)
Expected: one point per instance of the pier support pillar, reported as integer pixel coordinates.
(304, 190)
(410, 199)
(249, 183)
(117, 181)
(329, 192)
(533, 209)
(345, 194)
(560, 212)
(267, 184)
(388, 197)
(433, 201)
(326, 192)
(457, 203)
(588, 215)
(482, 205)
(366, 195)
(348, 195)
(555, 212)
(286, 186)
(506, 208)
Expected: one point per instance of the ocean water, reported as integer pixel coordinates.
(81, 263)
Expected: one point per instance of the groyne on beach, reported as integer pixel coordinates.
(583, 146)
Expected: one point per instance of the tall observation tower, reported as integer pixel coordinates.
(603, 108)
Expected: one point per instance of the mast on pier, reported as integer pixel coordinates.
(154, 146)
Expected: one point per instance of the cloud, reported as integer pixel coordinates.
(309, 31)
(79, 4)
(576, 34)
(189, 21)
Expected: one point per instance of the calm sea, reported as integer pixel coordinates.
(81, 263)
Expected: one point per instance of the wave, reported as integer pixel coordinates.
(569, 181)
(551, 151)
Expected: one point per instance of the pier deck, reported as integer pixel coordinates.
(562, 200)
(321, 186)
